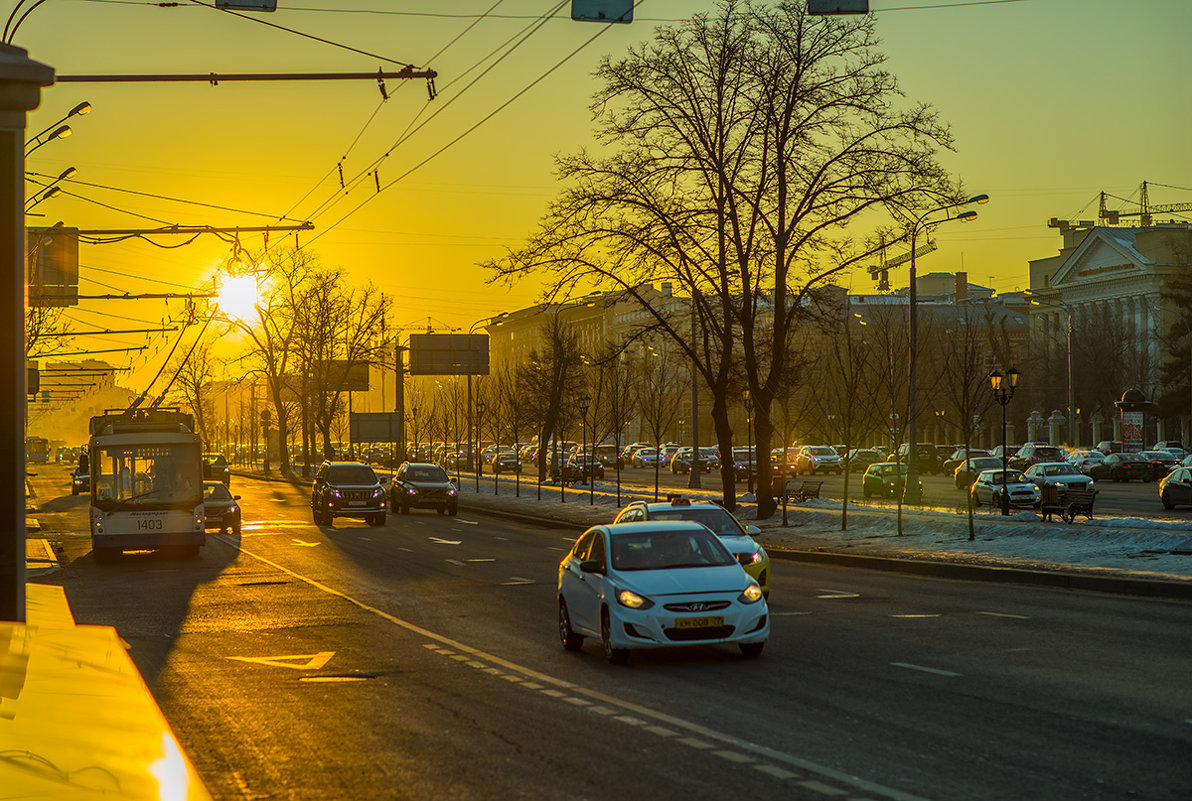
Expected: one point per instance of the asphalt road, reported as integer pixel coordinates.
(421, 660)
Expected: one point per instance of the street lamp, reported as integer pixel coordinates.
(59, 133)
(480, 407)
(912, 492)
(749, 436)
(1071, 380)
(1003, 390)
(584, 460)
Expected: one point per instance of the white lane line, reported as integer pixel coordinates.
(439, 541)
(913, 616)
(630, 720)
(661, 731)
(366, 539)
(834, 594)
(695, 743)
(515, 581)
(922, 668)
(455, 562)
(1003, 614)
(468, 522)
(502, 539)
(822, 789)
(776, 772)
(577, 701)
(482, 560)
(788, 614)
(682, 724)
(738, 757)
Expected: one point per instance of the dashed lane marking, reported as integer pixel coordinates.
(515, 581)
(661, 731)
(788, 614)
(455, 562)
(924, 669)
(737, 756)
(468, 522)
(914, 616)
(439, 541)
(830, 595)
(1004, 614)
(638, 715)
(474, 561)
(823, 789)
(692, 742)
(776, 772)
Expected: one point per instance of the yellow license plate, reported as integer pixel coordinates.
(698, 622)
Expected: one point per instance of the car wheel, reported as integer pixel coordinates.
(615, 656)
(571, 641)
(751, 650)
(236, 530)
(1167, 504)
(454, 510)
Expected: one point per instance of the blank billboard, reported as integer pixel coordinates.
(448, 354)
(375, 427)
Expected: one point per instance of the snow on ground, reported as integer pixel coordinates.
(1137, 546)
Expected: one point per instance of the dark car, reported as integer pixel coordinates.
(928, 460)
(743, 463)
(421, 485)
(859, 459)
(1162, 463)
(966, 472)
(347, 489)
(506, 462)
(221, 509)
(215, 468)
(1175, 489)
(580, 467)
(80, 482)
(954, 459)
(1033, 453)
(884, 478)
(1122, 467)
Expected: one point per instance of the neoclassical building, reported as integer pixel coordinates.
(1111, 281)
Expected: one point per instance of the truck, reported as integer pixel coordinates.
(146, 482)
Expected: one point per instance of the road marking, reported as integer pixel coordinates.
(468, 522)
(834, 594)
(502, 539)
(407, 550)
(935, 671)
(367, 539)
(482, 560)
(823, 789)
(913, 616)
(455, 562)
(665, 718)
(776, 772)
(694, 743)
(332, 679)
(304, 543)
(630, 720)
(736, 756)
(312, 661)
(661, 731)
(1003, 614)
(445, 542)
(788, 614)
(515, 581)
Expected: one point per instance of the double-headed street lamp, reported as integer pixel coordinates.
(912, 492)
(1003, 390)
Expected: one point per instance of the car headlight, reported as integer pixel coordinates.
(379, 492)
(751, 594)
(411, 491)
(234, 510)
(632, 600)
(451, 491)
(336, 493)
(756, 556)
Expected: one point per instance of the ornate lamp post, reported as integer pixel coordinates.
(584, 402)
(1003, 391)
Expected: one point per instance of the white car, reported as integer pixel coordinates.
(1021, 492)
(1064, 475)
(645, 457)
(658, 584)
(1084, 460)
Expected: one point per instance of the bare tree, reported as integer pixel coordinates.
(657, 392)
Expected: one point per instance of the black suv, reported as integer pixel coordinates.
(347, 489)
(215, 468)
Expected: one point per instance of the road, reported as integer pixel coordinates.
(421, 660)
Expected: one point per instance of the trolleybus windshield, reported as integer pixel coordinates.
(159, 474)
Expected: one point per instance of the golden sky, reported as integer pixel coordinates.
(1051, 101)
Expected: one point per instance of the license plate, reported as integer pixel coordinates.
(698, 622)
(356, 503)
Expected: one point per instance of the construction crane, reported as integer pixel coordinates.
(881, 272)
(1145, 210)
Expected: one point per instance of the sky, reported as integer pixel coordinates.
(1050, 102)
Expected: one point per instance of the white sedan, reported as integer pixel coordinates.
(988, 489)
(655, 585)
(1084, 460)
(1064, 475)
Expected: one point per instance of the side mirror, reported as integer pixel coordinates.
(383, 480)
(752, 531)
(590, 566)
(235, 497)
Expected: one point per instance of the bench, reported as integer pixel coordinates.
(798, 491)
(1068, 504)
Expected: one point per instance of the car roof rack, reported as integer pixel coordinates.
(677, 499)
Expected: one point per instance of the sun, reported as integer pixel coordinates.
(238, 296)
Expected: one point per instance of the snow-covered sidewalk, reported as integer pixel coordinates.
(1132, 546)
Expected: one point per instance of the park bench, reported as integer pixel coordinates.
(798, 491)
(1067, 504)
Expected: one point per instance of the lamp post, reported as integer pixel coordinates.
(749, 437)
(1003, 390)
(584, 460)
(1066, 309)
(480, 407)
(912, 492)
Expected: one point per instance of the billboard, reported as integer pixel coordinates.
(448, 354)
(53, 266)
(345, 375)
(375, 427)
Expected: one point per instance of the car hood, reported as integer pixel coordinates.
(685, 581)
(740, 544)
(426, 485)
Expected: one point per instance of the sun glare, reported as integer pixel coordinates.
(238, 296)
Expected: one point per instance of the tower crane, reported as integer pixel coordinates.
(881, 272)
(1145, 210)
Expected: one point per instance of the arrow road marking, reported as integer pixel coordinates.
(313, 661)
(305, 544)
(445, 542)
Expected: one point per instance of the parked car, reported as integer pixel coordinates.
(859, 459)
(1162, 463)
(421, 485)
(1172, 445)
(657, 585)
(1107, 446)
(1009, 451)
(221, 509)
(1118, 466)
(608, 456)
(506, 461)
(884, 479)
(1083, 460)
(743, 462)
(1034, 453)
(1175, 489)
(957, 456)
(991, 484)
(645, 457)
(736, 537)
(928, 459)
(966, 472)
(215, 468)
(347, 489)
(1058, 474)
(580, 468)
(680, 463)
(816, 459)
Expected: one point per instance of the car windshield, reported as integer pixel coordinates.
(715, 518)
(1060, 470)
(1007, 477)
(215, 459)
(351, 474)
(426, 473)
(668, 550)
(216, 492)
(824, 451)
